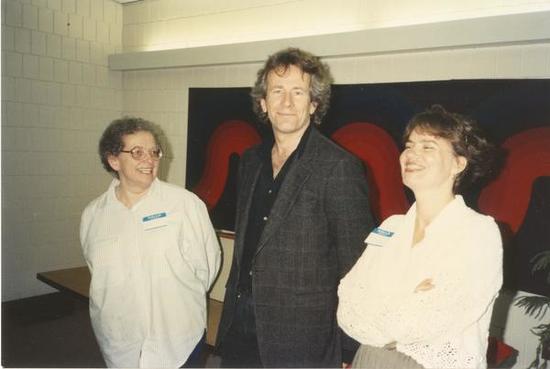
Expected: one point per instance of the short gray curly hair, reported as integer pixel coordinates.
(111, 140)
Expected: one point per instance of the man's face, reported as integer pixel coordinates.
(287, 102)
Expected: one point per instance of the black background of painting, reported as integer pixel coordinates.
(502, 108)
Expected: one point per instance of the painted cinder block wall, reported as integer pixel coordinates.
(57, 95)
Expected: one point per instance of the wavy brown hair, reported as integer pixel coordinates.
(466, 139)
(319, 89)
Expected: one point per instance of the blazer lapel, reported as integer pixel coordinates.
(246, 193)
(291, 188)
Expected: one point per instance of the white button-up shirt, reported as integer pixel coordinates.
(151, 268)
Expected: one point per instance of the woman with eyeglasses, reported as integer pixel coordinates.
(152, 254)
(422, 293)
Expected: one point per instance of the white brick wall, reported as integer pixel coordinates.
(53, 45)
(45, 20)
(22, 40)
(57, 96)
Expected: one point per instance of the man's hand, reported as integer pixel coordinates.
(424, 286)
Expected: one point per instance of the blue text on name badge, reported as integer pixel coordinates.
(382, 232)
(153, 217)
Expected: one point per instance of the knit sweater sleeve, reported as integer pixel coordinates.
(357, 307)
(358, 301)
(462, 292)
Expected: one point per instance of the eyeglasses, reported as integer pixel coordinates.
(138, 153)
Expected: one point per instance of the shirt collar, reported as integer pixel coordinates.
(111, 199)
(448, 216)
(302, 144)
(267, 145)
(111, 195)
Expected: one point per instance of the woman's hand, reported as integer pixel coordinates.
(424, 286)
(390, 346)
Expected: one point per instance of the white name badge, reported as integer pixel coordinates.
(154, 221)
(378, 237)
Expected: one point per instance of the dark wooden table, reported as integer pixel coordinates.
(76, 282)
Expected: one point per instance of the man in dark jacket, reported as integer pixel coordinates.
(302, 216)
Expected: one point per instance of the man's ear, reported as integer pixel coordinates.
(312, 107)
(263, 105)
(113, 162)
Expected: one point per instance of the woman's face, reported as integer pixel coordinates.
(429, 162)
(133, 173)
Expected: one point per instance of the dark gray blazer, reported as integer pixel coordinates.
(314, 235)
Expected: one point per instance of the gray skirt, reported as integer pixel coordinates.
(381, 358)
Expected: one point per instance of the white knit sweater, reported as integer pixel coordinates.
(447, 326)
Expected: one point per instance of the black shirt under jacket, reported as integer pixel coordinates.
(265, 194)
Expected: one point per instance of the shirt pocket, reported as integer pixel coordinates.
(162, 235)
(106, 263)
(157, 241)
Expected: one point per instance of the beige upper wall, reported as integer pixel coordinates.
(168, 24)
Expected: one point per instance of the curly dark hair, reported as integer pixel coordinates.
(111, 140)
(319, 90)
(466, 139)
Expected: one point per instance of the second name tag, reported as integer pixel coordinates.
(154, 221)
(378, 237)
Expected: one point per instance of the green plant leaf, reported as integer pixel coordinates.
(536, 306)
(541, 261)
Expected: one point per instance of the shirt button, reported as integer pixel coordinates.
(269, 192)
(250, 273)
(265, 218)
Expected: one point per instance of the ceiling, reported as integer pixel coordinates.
(126, 1)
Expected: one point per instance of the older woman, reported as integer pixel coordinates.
(421, 295)
(152, 254)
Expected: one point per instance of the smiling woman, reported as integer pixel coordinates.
(152, 255)
(422, 294)
(429, 163)
(137, 168)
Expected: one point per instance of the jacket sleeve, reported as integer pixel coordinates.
(348, 212)
(349, 220)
